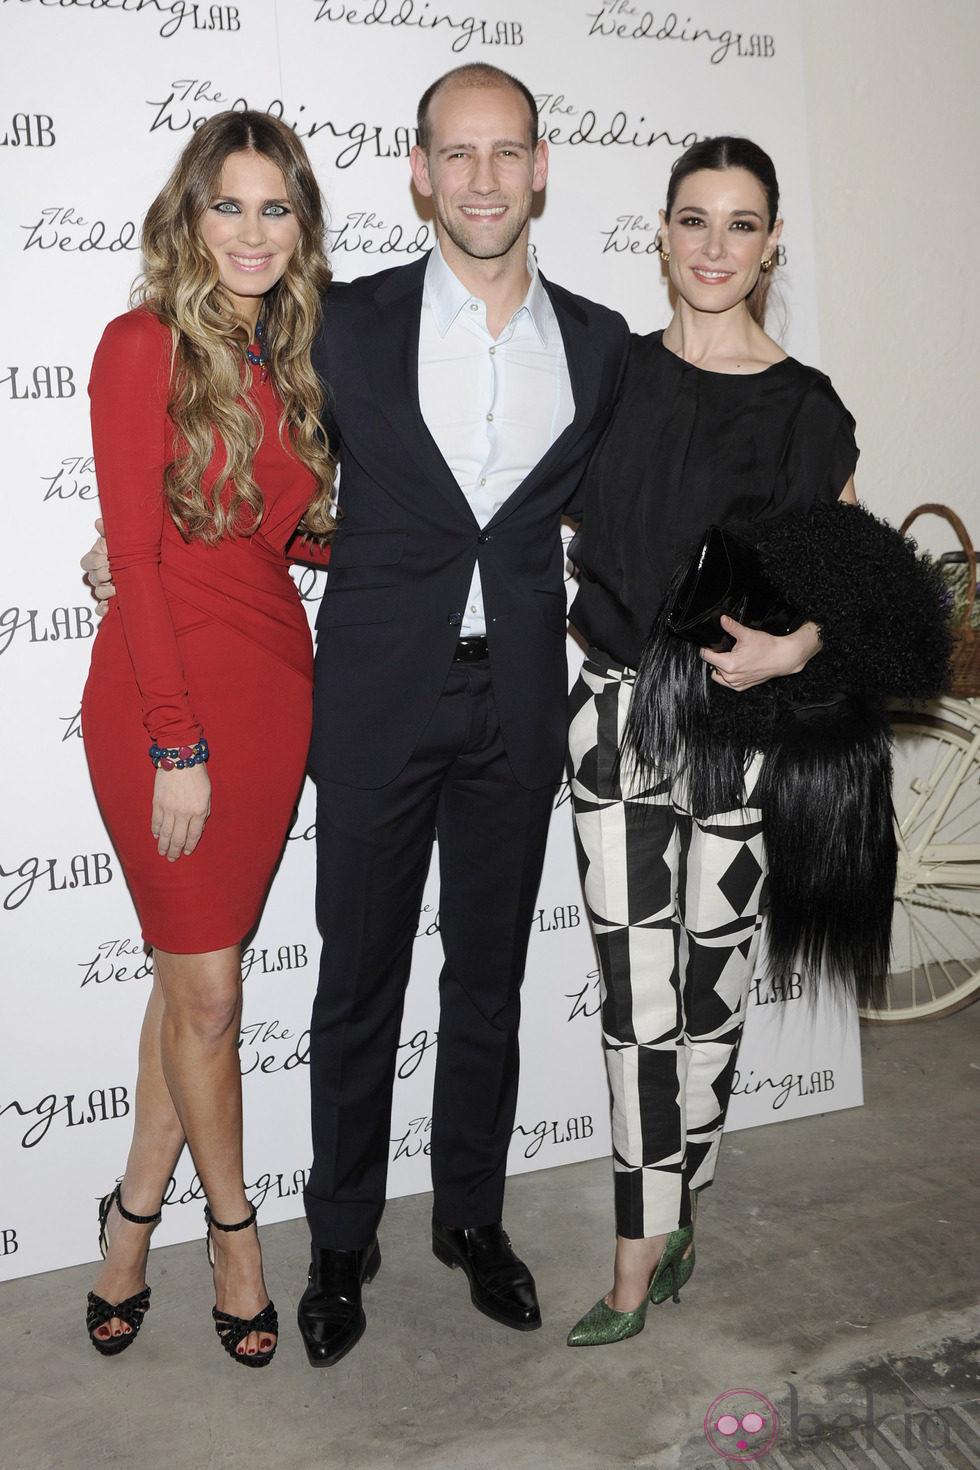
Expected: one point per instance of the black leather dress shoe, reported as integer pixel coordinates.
(330, 1316)
(500, 1283)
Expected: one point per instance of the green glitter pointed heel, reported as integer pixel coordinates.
(602, 1323)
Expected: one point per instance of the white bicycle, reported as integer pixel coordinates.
(935, 966)
(936, 925)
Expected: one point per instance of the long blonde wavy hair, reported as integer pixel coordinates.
(180, 285)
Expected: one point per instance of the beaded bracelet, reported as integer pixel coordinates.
(178, 757)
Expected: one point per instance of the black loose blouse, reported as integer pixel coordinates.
(686, 449)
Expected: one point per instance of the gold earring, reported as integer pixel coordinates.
(767, 265)
(664, 254)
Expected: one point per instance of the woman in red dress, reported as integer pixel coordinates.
(209, 457)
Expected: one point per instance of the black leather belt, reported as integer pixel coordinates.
(471, 650)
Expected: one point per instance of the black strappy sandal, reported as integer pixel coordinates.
(233, 1330)
(134, 1308)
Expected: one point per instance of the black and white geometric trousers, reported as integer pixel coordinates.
(674, 904)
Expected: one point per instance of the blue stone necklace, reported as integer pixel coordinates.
(256, 355)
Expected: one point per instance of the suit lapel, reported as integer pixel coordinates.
(389, 348)
(584, 371)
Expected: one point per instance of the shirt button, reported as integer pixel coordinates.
(489, 418)
(483, 481)
(472, 607)
(492, 351)
(474, 306)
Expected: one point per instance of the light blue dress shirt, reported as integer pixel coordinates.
(494, 406)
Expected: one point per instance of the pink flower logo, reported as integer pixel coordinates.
(741, 1424)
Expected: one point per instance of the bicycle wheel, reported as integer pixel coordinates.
(936, 926)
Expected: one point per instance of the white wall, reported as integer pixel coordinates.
(893, 113)
(81, 156)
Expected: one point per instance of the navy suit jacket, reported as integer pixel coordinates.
(403, 559)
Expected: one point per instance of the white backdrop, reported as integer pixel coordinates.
(100, 97)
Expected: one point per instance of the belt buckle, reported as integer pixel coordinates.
(471, 650)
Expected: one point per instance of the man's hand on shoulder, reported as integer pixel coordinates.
(95, 565)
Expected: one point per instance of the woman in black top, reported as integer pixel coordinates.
(716, 424)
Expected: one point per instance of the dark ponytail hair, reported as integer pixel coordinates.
(723, 153)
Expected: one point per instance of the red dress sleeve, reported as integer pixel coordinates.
(131, 440)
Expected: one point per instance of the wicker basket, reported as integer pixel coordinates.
(959, 570)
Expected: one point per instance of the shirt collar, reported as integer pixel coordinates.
(446, 296)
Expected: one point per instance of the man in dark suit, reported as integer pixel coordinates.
(467, 395)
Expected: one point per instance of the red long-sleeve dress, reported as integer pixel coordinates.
(199, 640)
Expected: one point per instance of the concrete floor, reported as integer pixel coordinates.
(837, 1275)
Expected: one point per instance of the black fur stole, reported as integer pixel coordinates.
(825, 786)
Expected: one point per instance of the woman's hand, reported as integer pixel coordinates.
(758, 657)
(181, 806)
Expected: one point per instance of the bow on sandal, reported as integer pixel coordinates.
(131, 1311)
(233, 1330)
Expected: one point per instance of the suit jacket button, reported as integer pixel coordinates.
(455, 619)
(483, 539)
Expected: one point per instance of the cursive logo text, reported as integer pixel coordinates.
(103, 1105)
(182, 108)
(265, 962)
(566, 916)
(420, 16)
(631, 234)
(84, 870)
(562, 123)
(414, 1141)
(116, 960)
(61, 624)
(585, 1002)
(195, 14)
(45, 380)
(73, 726)
(625, 21)
(783, 1088)
(74, 479)
(29, 130)
(60, 227)
(269, 1046)
(367, 232)
(573, 1130)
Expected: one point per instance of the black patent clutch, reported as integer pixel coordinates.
(726, 576)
